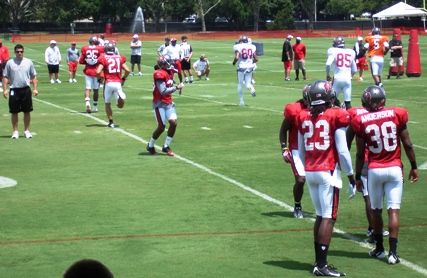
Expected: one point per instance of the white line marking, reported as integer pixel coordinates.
(247, 126)
(7, 182)
(423, 166)
(353, 238)
(205, 128)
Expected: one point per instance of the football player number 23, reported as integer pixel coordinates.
(322, 132)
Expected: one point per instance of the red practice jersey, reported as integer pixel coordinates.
(291, 112)
(166, 77)
(381, 130)
(319, 137)
(89, 58)
(112, 66)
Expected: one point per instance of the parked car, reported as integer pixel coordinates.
(221, 19)
(189, 20)
(366, 14)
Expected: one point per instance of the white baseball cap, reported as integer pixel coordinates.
(298, 38)
(359, 38)
(290, 37)
(53, 41)
(135, 36)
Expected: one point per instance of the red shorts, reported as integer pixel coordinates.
(360, 63)
(287, 65)
(178, 66)
(72, 66)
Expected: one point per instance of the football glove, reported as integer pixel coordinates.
(328, 78)
(123, 81)
(287, 155)
(351, 190)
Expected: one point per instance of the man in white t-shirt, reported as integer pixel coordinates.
(202, 68)
(135, 57)
(175, 52)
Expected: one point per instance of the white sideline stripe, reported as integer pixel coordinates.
(353, 238)
(423, 166)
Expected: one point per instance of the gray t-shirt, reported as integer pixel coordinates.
(72, 55)
(19, 72)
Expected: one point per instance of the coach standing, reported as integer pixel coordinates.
(18, 72)
(52, 57)
(299, 59)
(287, 56)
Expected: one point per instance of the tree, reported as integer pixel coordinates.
(202, 11)
(19, 9)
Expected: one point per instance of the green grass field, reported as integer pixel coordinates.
(222, 207)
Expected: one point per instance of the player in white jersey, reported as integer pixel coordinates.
(245, 57)
(175, 52)
(344, 63)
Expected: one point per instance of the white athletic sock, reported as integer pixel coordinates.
(168, 141)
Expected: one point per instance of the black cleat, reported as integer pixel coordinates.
(152, 150)
(327, 271)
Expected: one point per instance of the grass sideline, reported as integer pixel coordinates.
(87, 191)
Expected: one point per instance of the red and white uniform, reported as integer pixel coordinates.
(113, 75)
(381, 131)
(89, 58)
(344, 64)
(291, 113)
(163, 105)
(322, 144)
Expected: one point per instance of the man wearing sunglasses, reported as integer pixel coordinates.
(19, 72)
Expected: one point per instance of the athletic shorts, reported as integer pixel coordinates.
(287, 65)
(91, 83)
(165, 114)
(178, 66)
(360, 63)
(20, 100)
(53, 68)
(135, 59)
(185, 65)
(113, 89)
(72, 66)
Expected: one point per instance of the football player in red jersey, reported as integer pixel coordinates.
(290, 151)
(112, 65)
(382, 131)
(89, 58)
(322, 145)
(163, 105)
(353, 112)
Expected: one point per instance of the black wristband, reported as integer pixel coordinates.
(414, 165)
(284, 146)
(123, 79)
(358, 176)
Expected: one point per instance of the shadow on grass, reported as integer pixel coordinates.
(98, 125)
(291, 265)
(287, 214)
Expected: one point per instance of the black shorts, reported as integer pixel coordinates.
(53, 68)
(20, 100)
(135, 59)
(185, 65)
(2, 66)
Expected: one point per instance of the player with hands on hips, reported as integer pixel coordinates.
(288, 137)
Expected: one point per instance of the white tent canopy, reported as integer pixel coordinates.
(398, 10)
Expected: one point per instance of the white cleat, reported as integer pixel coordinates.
(15, 135)
(28, 134)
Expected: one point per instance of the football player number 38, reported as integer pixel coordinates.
(383, 137)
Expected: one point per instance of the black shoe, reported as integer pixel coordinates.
(388, 76)
(191, 81)
(111, 125)
(297, 79)
(398, 77)
(168, 151)
(152, 150)
(327, 271)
